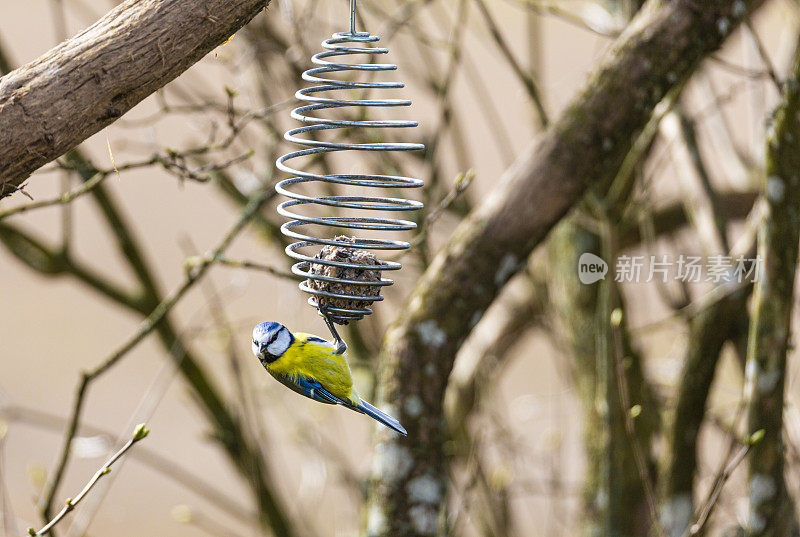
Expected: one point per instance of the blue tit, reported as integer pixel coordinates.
(310, 366)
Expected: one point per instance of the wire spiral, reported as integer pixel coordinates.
(343, 44)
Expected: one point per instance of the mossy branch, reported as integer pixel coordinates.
(586, 145)
(609, 377)
(708, 332)
(771, 508)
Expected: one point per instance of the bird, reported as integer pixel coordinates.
(311, 366)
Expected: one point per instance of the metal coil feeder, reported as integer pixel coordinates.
(344, 277)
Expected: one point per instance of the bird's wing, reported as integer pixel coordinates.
(309, 387)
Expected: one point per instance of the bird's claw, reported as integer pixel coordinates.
(340, 347)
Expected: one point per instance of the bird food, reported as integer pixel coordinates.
(344, 254)
(356, 199)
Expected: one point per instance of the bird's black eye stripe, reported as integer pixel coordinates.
(273, 337)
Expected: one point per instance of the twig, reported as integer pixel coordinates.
(697, 307)
(53, 484)
(140, 433)
(16, 188)
(193, 261)
(762, 54)
(575, 19)
(627, 412)
(244, 386)
(719, 482)
(143, 412)
(524, 77)
(731, 67)
(448, 120)
(148, 457)
(612, 377)
(460, 185)
(709, 221)
(63, 199)
(731, 161)
(154, 321)
(708, 332)
(195, 273)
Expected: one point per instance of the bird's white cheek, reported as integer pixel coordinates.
(281, 343)
(255, 349)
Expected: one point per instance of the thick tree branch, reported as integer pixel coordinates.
(587, 145)
(55, 102)
(480, 363)
(617, 494)
(708, 332)
(771, 508)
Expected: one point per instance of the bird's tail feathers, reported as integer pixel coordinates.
(382, 417)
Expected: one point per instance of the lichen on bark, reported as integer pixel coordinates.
(610, 380)
(771, 508)
(587, 145)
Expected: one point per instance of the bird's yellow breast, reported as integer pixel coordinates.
(315, 359)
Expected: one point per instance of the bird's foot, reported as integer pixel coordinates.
(340, 347)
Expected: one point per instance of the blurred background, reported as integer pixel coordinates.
(484, 77)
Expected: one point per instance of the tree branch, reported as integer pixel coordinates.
(708, 332)
(139, 434)
(587, 145)
(236, 441)
(55, 102)
(617, 493)
(481, 362)
(771, 508)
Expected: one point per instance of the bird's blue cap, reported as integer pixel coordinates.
(271, 340)
(267, 327)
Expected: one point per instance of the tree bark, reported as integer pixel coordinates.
(708, 332)
(55, 102)
(614, 492)
(658, 52)
(771, 507)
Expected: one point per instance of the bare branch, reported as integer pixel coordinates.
(52, 104)
(63, 199)
(240, 263)
(52, 486)
(194, 275)
(526, 79)
(139, 434)
(716, 489)
(771, 508)
(587, 145)
(148, 457)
